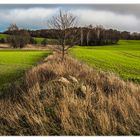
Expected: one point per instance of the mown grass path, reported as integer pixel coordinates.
(122, 59)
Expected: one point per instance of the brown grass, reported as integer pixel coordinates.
(51, 102)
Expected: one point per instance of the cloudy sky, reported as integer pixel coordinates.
(120, 17)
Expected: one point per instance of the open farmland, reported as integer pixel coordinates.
(4, 36)
(38, 39)
(13, 63)
(122, 59)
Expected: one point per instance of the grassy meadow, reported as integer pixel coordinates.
(122, 59)
(13, 63)
(38, 39)
(3, 36)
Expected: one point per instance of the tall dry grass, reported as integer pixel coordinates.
(70, 98)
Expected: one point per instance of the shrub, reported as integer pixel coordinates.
(19, 38)
(44, 42)
(2, 40)
(33, 41)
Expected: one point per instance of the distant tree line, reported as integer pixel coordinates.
(86, 36)
(121, 35)
(98, 35)
(130, 36)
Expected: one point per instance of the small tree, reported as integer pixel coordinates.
(32, 41)
(18, 38)
(44, 42)
(63, 27)
(13, 27)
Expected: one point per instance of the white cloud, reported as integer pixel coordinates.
(27, 17)
(30, 14)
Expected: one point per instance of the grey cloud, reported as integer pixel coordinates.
(133, 9)
(118, 16)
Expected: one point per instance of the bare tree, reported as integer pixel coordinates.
(13, 27)
(89, 28)
(64, 30)
(82, 37)
(18, 38)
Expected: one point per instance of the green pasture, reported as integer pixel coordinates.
(14, 63)
(122, 59)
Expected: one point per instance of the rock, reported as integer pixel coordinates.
(83, 89)
(64, 80)
(81, 92)
(73, 79)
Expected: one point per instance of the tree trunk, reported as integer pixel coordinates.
(63, 51)
(82, 37)
(88, 35)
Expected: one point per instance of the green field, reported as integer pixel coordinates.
(38, 39)
(3, 36)
(13, 63)
(122, 59)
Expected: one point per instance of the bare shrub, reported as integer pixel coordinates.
(18, 38)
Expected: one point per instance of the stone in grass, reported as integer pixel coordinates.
(64, 80)
(73, 79)
(81, 92)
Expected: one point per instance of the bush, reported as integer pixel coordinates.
(33, 41)
(44, 42)
(2, 40)
(19, 38)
